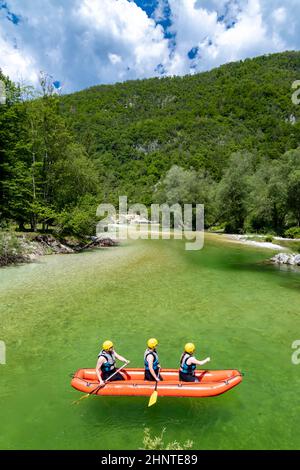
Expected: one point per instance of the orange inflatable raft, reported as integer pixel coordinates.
(211, 383)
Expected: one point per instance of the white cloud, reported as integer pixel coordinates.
(85, 42)
(242, 31)
(280, 15)
(114, 58)
(14, 64)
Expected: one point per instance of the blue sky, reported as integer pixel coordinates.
(87, 42)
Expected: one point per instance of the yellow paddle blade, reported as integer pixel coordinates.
(153, 399)
(82, 398)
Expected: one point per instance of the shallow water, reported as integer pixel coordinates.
(240, 312)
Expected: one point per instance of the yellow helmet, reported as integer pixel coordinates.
(152, 343)
(189, 348)
(107, 345)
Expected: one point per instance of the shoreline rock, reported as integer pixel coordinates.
(48, 241)
(291, 259)
(98, 242)
(27, 249)
(245, 240)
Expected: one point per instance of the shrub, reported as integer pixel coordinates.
(217, 228)
(269, 239)
(293, 232)
(80, 220)
(11, 250)
(157, 442)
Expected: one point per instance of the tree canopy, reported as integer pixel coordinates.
(228, 138)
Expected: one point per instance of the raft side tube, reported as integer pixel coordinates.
(211, 383)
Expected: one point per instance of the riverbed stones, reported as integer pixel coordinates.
(55, 245)
(297, 260)
(29, 248)
(286, 258)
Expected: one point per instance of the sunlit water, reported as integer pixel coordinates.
(54, 314)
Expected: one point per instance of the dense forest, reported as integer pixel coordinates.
(228, 138)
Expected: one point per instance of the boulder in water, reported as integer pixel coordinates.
(297, 260)
(51, 242)
(285, 258)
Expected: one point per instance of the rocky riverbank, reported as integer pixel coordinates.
(25, 248)
(291, 259)
(256, 241)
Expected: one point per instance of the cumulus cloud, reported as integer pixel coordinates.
(229, 31)
(86, 42)
(82, 42)
(15, 64)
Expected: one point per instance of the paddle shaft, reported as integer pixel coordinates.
(100, 386)
(107, 380)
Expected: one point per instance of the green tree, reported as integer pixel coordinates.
(79, 220)
(267, 209)
(233, 192)
(181, 186)
(293, 196)
(72, 177)
(10, 118)
(46, 171)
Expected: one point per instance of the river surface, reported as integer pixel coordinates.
(244, 314)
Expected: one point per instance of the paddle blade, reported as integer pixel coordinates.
(153, 399)
(82, 398)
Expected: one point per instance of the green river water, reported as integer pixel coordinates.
(244, 314)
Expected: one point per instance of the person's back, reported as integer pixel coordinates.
(106, 364)
(151, 361)
(188, 364)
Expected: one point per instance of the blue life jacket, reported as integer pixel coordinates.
(110, 363)
(186, 368)
(153, 353)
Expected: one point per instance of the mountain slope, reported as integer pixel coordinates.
(135, 131)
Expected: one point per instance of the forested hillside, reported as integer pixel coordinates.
(136, 130)
(227, 138)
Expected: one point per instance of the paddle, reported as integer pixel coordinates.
(154, 395)
(101, 385)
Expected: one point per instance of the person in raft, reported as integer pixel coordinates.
(151, 361)
(188, 364)
(106, 365)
